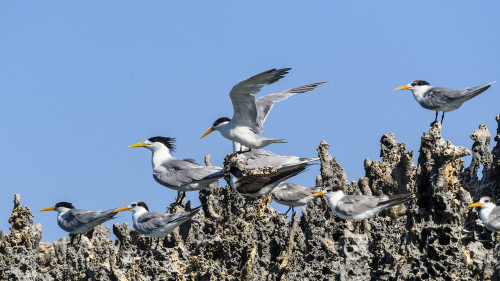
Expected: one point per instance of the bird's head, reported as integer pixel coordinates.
(413, 85)
(218, 124)
(328, 191)
(157, 144)
(135, 206)
(484, 202)
(59, 207)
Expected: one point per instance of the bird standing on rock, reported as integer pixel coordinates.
(293, 195)
(441, 99)
(489, 214)
(249, 114)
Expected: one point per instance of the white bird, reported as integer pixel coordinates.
(293, 195)
(441, 99)
(360, 207)
(261, 184)
(176, 174)
(249, 114)
(155, 224)
(77, 221)
(489, 214)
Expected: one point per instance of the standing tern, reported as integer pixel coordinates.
(249, 114)
(489, 214)
(180, 175)
(155, 224)
(261, 184)
(360, 207)
(441, 99)
(293, 195)
(77, 221)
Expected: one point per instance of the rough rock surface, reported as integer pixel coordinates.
(434, 237)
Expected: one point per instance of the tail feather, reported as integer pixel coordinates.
(397, 199)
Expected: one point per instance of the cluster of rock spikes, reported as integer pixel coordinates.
(435, 237)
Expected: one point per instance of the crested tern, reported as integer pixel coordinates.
(441, 99)
(293, 195)
(155, 224)
(359, 207)
(489, 214)
(261, 184)
(250, 114)
(77, 221)
(180, 175)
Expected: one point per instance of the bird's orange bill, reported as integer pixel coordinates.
(139, 144)
(208, 132)
(317, 194)
(402, 88)
(122, 209)
(477, 204)
(48, 209)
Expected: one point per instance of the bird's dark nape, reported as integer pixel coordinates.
(64, 204)
(221, 120)
(167, 141)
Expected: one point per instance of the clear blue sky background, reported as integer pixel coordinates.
(81, 81)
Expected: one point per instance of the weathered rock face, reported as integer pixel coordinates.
(434, 237)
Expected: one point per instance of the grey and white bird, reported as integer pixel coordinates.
(441, 99)
(176, 174)
(293, 195)
(359, 207)
(261, 184)
(155, 224)
(76, 221)
(489, 214)
(250, 113)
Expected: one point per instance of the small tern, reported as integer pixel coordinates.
(155, 224)
(293, 195)
(261, 158)
(441, 99)
(180, 175)
(489, 214)
(360, 207)
(77, 221)
(261, 184)
(250, 114)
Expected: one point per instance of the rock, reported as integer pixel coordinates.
(434, 237)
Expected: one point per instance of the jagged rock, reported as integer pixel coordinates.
(434, 237)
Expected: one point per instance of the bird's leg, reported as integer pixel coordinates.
(435, 120)
(286, 213)
(442, 117)
(158, 242)
(180, 196)
(71, 238)
(80, 238)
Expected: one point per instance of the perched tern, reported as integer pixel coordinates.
(180, 175)
(261, 184)
(154, 224)
(360, 207)
(249, 114)
(260, 158)
(77, 221)
(441, 99)
(489, 214)
(293, 195)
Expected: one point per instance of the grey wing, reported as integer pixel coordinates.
(266, 103)
(178, 178)
(292, 192)
(76, 218)
(494, 220)
(437, 97)
(351, 205)
(148, 222)
(177, 164)
(243, 96)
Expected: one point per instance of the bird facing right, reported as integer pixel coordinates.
(489, 214)
(441, 99)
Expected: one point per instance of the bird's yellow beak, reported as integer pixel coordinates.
(402, 88)
(317, 194)
(48, 209)
(477, 204)
(122, 209)
(208, 132)
(139, 144)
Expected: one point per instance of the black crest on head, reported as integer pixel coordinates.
(332, 188)
(142, 204)
(419, 83)
(64, 204)
(221, 120)
(168, 142)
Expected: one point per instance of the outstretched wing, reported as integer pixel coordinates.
(243, 96)
(266, 103)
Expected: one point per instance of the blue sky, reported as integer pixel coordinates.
(82, 81)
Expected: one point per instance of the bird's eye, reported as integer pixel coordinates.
(133, 205)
